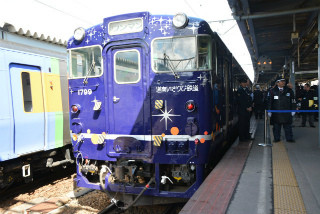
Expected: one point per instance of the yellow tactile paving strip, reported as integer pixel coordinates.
(286, 192)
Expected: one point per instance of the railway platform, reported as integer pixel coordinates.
(251, 179)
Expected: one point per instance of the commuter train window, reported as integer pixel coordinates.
(127, 67)
(181, 54)
(26, 90)
(85, 62)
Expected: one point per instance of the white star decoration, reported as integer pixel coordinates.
(90, 34)
(201, 77)
(161, 20)
(204, 79)
(165, 33)
(95, 100)
(166, 114)
(97, 104)
(105, 42)
(193, 28)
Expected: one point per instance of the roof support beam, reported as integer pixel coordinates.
(277, 13)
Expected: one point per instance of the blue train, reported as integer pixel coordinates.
(151, 100)
(34, 111)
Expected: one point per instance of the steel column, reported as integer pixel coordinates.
(267, 141)
(292, 76)
(318, 75)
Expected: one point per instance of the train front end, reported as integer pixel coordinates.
(140, 104)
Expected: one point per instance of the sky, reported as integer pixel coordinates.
(59, 18)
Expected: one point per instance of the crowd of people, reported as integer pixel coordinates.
(279, 97)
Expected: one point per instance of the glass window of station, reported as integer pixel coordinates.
(181, 54)
(85, 62)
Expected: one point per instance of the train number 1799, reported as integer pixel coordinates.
(84, 92)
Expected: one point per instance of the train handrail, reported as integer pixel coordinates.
(287, 111)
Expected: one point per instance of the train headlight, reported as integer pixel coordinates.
(79, 34)
(75, 108)
(180, 20)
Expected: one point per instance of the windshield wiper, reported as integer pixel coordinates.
(92, 66)
(166, 57)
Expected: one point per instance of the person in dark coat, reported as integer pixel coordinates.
(307, 103)
(316, 103)
(281, 98)
(244, 102)
(258, 102)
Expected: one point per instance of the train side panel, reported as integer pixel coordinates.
(35, 111)
(6, 112)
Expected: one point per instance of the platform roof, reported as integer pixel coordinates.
(10, 28)
(267, 27)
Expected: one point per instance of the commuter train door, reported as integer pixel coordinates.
(128, 95)
(27, 96)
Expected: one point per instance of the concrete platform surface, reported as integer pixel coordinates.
(254, 192)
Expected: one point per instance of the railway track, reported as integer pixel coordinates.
(18, 192)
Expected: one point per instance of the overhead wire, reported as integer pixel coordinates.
(63, 12)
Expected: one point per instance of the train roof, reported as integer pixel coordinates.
(100, 35)
(155, 26)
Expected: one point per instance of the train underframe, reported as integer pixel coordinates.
(126, 178)
(173, 183)
(24, 168)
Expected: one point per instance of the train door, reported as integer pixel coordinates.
(128, 95)
(27, 98)
(219, 92)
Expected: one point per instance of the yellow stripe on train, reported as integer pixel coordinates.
(158, 104)
(157, 140)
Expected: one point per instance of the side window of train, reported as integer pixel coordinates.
(85, 62)
(26, 90)
(226, 72)
(127, 67)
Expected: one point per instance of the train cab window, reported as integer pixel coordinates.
(127, 67)
(26, 90)
(181, 54)
(204, 52)
(85, 62)
(177, 53)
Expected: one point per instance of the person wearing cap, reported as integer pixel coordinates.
(258, 106)
(281, 98)
(244, 103)
(307, 103)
